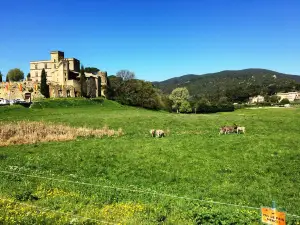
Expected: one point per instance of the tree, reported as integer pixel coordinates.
(44, 86)
(274, 99)
(113, 86)
(92, 70)
(237, 94)
(99, 86)
(15, 75)
(125, 75)
(223, 100)
(0, 76)
(285, 101)
(203, 105)
(83, 85)
(28, 76)
(185, 106)
(180, 96)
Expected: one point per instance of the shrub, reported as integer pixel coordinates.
(204, 106)
(284, 101)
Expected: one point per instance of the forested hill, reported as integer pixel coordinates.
(252, 81)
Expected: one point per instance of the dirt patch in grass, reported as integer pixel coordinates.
(25, 132)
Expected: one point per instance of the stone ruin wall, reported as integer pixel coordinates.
(17, 90)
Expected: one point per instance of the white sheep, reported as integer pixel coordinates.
(240, 130)
(160, 133)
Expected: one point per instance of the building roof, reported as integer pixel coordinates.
(37, 61)
(56, 52)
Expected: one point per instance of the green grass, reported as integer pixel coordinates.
(192, 161)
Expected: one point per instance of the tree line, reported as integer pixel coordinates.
(126, 89)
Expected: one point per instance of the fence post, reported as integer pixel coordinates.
(273, 205)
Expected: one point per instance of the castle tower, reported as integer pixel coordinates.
(56, 56)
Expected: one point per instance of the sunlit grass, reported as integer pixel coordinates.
(193, 160)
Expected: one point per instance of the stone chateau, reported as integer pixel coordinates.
(63, 78)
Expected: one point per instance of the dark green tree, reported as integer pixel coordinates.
(44, 86)
(99, 86)
(0, 76)
(92, 70)
(15, 75)
(284, 101)
(274, 99)
(114, 87)
(83, 86)
(28, 76)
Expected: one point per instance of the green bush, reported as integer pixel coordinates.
(213, 108)
(284, 101)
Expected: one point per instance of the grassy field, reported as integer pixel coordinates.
(193, 161)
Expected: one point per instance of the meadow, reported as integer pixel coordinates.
(135, 179)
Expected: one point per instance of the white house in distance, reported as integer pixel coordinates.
(256, 99)
(291, 96)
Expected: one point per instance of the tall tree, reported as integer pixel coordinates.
(15, 75)
(44, 86)
(99, 86)
(28, 76)
(125, 75)
(179, 97)
(83, 85)
(0, 76)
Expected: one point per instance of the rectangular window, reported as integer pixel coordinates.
(35, 66)
(36, 74)
(45, 65)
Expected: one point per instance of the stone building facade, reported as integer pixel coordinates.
(63, 78)
(63, 75)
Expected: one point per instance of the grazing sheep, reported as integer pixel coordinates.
(152, 132)
(226, 130)
(240, 130)
(160, 133)
(222, 130)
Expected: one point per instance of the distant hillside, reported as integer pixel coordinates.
(256, 80)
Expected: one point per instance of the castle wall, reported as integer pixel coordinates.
(62, 78)
(17, 90)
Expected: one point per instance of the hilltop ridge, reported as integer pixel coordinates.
(218, 83)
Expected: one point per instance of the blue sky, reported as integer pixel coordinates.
(156, 39)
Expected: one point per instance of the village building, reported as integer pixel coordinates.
(291, 96)
(256, 99)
